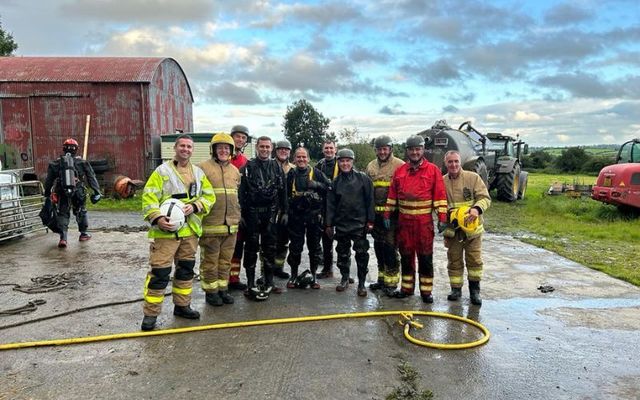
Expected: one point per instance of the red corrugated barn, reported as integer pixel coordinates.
(44, 100)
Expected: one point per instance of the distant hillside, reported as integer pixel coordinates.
(605, 150)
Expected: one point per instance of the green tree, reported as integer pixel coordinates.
(304, 125)
(572, 159)
(537, 160)
(7, 44)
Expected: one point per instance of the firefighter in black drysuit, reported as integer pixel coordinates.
(350, 214)
(262, 197)
(307, 188)
(66, 178)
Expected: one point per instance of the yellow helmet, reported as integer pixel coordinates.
(458, 217)
(221, 138)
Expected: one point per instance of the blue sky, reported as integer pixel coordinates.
(558, 73)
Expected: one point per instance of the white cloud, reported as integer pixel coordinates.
(526, 116)
(563, 138)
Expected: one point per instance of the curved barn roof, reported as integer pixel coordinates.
(82, 69)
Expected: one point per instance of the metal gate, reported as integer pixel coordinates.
(21, 198)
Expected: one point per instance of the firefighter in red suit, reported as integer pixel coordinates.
(417, 189)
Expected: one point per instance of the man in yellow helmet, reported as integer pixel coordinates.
(174, 179)
(220, 226)
(466, 195)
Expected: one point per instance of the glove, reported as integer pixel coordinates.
(96, 198)
(329, 232)
(284, 219)
(386, 223)
(442, 226)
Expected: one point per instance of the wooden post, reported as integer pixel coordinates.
(86, 138)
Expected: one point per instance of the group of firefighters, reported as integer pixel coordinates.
(250, 210)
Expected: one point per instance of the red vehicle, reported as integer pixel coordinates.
(619, 184)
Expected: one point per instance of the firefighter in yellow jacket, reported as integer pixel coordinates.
(380, 171)
(174, 179)
(220, 226)
(467, 199)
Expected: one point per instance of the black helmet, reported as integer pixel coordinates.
(283, 144)
(303, 280)
(346, 153)
(381, 141)
(240, 129)
(414, 141)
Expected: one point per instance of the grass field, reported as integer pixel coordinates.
(583, 230)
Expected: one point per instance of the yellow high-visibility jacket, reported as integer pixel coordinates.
(381, 174)
(468, 189)
(165, 182)
(224, 216)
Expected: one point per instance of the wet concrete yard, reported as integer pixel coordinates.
(578, 342)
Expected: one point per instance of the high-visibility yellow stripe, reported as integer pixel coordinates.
(147, 297)
(455, 280)
(458, 204)
(392, 202)
(383, 208)
(417, 203)
(208, 285)
(182, 291)
(381, 183)
(407, 285)
(225, 191)
(222, 284)
(220, 229)
(426, 288)
(440, 203)
(408, 278)
(426, 280)
(475, 273)
(412, 211)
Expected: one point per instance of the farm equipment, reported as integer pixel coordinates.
(619, 184)
(493, 156)
(20, 202)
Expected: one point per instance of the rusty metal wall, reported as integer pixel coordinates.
(36, 117)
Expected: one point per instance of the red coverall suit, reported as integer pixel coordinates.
(416, 193)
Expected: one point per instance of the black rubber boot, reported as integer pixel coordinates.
(377, 285)
(213, 299)
(148, 323)
(186, 312)
(362, 291)
(474, 293)
(225, 297)
(455, 294)
(427, 298)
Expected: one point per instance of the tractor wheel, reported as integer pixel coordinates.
(524, 178)
(480, 168)
(508, 185)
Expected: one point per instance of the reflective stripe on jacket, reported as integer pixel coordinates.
(165, 182)
(416, 193)
(381, 174)
(224, 216)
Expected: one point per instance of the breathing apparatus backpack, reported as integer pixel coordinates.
(68, 174)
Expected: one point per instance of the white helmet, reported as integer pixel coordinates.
(172, 209)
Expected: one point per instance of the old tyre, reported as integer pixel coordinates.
(524, 178)
(480, 168)
(508, 184)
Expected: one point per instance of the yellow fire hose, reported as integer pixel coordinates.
(406, 320)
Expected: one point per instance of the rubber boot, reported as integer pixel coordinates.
(270, 287)
(148, 322)
(427, 298)
(455, 294)
(226, 297)
(344, 284)
(362, 291)
(186, 312)
(291, 283)
(377, 285)
(474, 293)
(213, 299)
(251, 280)
(314, 284)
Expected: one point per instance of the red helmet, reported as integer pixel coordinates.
(70, 142)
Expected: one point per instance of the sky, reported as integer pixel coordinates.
(556, 73)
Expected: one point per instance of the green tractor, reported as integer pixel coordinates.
(493, 156)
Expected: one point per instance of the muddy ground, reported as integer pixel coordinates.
(578, 341)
